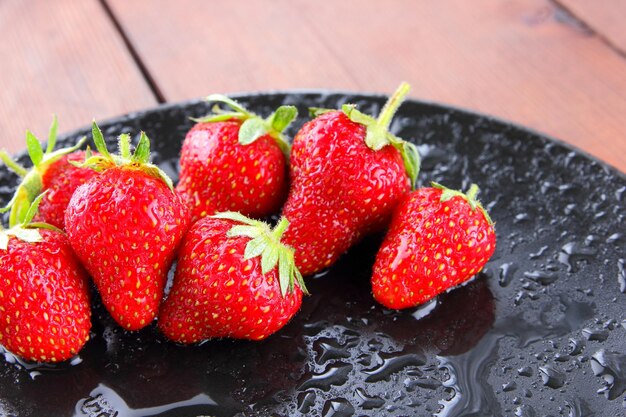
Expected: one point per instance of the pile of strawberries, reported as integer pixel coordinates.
(118, 220)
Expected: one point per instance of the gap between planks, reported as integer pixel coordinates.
(154, 88)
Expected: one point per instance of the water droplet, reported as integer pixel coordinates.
(525, 371)
(539, 253)
(506, 273)
(525, 411)
(561, 357)
(427, 383)
(392, 363)
(573, 250)
(551, 377)
(611, 366)
(328, 349)
(621, 275)
(599, 335)
(425, 309)
(542, 277)
(338, 407)
(306, 400)
(368, 402)
(509, 386)
(614, 238)
(334, 374)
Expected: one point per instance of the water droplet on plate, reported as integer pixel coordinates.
(551, 377)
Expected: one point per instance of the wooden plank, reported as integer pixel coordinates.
(513, 59)
(63, 57)
(606, 17)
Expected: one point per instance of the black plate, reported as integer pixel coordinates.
(541, 331)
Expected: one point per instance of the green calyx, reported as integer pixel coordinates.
(253, 126)
(470, 197)
(378, 136)
(31, 185)
(139, 159)
(265, 242)
(26, 230)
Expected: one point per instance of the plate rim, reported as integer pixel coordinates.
(370, 95)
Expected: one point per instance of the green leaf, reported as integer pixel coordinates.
(237, 217)
(229, 102)
(412, 161)
(99, 141)
(32, 210)
(157, 172)
(34, 148)
(222, 116)
(285, 271)
(14, 166)
(41, 225)
(52, 134)
(318, 111)
(282, 117)
(269, 258)
(251, 130)
(244, 230)
(142, 152)
(255, 247)
(123, 144)
(356, 116)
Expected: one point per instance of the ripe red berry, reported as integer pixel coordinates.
(125, 226)
(45, 313)
(348, 173)
(438, 239)
(235, 161)
(233, 279)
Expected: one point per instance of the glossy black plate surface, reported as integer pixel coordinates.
(541, 332)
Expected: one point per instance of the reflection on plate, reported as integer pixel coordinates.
(542, 331)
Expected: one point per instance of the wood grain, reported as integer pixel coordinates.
(517, 60)
(606, 17)
(63, 57)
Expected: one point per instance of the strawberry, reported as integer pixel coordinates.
(234, 279)
(348, 172)
(45, 313)
(438, 239)
(235, 161)
(60, 181)
(52, 172)
(125, 225)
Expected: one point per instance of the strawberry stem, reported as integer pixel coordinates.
(280, 228)
(392, 105)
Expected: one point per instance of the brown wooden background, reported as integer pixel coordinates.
(558, 66)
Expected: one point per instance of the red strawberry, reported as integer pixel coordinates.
(125, 225)
(234, 279)
(348, 173)
(52, 172)
(60, 181)
(45, 314)
(235, 161)
(438, 238)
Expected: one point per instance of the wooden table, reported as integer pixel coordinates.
(557, 66)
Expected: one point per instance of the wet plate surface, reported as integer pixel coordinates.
(542, 331)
